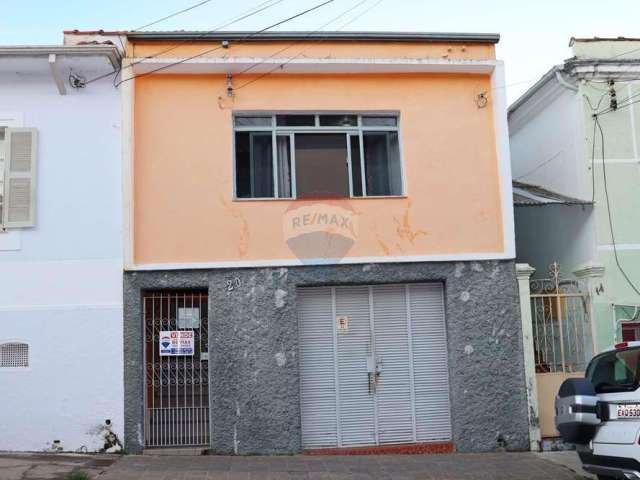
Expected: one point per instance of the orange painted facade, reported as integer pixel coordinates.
(183, 160)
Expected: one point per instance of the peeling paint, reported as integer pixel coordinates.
(385, 247)
(468, 349)
(404, 229)
(281, 359)
(494, 273)
(465, 296)
(477, 267)
(280, 301)
(243, 243)
(139, 434)
(235, 439)
(460, 267)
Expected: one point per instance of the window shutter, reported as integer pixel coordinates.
(19, 200)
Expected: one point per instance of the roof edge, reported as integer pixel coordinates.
(531, 91)
(443, 37)
(109, 51)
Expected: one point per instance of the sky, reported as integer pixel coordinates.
(534, 34)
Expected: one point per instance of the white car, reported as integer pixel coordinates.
(601, 413)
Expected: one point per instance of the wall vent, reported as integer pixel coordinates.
(14, 355)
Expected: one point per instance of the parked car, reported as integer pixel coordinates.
(601, 413)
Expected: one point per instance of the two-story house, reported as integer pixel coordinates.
(60, 248)
(318, 241)
(575, 134)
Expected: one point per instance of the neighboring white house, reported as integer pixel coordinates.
(60, 248)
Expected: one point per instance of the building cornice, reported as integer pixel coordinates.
(429, 37)
(109, 51)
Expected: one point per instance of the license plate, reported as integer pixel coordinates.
(628, 410)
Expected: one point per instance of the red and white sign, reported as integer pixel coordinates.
(175, 343)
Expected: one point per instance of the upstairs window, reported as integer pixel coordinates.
(18, 151)
(298, 156)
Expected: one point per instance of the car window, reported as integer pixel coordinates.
(615, 371)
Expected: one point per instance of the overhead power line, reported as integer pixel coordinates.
(282, 65)
(251, 35)
(184, 10)
(291, 45)
(608, 203)
(243, 16)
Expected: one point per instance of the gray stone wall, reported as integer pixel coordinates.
(253, 344)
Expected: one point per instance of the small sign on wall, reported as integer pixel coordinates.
(342, 324)
(174, 343)
(188, 318)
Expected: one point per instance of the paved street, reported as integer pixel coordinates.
(492, 466)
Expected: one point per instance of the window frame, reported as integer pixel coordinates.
(291, 131)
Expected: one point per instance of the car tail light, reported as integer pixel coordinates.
(618, 346)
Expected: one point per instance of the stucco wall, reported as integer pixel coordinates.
(555, 233)
(255, 404)
(183, 167)
(547, 142)
(61, 281)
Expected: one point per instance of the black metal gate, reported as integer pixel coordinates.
(177, 373)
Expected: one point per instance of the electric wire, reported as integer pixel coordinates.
(282, 65)
(608, 203)
(288, 19)
(199, 4)
(243, 16)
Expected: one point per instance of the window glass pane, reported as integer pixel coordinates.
(382, 163)
(254, 165)
(338, 120)
(321, 165)
(253, 121)
(283, 144)
(356, 166)
(380, 121)
(296, 120)
(615, 371)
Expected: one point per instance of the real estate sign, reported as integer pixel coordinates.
(175, 343)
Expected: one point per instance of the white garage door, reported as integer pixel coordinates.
(373, 365)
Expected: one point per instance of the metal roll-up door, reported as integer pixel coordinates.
(317, 368)
(373, 365)
(430, 364)
(392, 351)
(357, 404)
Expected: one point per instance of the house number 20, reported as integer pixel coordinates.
(233, 283)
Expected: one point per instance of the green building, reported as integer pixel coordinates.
(596, 216)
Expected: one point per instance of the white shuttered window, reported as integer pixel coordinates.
(19, 196)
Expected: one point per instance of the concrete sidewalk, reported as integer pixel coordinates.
(489, 466)
(51, 466)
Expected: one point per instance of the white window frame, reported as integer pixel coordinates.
(358, 131)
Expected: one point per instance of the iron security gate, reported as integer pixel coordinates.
(176, 357)
(562, 339)
(373, 362)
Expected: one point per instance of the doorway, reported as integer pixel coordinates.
(177, 373)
